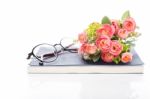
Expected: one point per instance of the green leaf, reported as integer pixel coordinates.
(115, 37)
(96, 58)
(86, 57)
(117, 60)
(106, 20)
(97, 52)
(126, 48)
(125, 15)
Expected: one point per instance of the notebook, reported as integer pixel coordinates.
(74, 63)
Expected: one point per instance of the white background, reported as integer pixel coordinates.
(25, 23)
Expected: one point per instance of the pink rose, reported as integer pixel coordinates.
(126, 57)
(88, 48)
(82, 48)
(123, 33)
(129, 24)
(115, 24)
(91, 48)
(115, 48)
(106, 29)
(107, 57)
(82, 37)
(103, 43)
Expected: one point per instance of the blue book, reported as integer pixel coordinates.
(74, 63)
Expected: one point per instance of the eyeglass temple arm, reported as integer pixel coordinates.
(29, 55)
(72, 50)
(69, 46)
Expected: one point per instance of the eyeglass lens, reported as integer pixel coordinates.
(45, 53)
(49, 53)
(69, 44)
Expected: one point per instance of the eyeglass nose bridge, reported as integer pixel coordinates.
(62, 48)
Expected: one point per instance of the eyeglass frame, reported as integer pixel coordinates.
(75, 50)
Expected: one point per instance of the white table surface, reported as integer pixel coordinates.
(25, 23)
(18, 84)
(88, 86)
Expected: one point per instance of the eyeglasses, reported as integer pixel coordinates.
(46, 53)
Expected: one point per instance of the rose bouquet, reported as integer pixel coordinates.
(109, 40)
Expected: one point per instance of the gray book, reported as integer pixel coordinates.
(73, 63)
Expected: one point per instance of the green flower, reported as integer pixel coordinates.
(91, 31)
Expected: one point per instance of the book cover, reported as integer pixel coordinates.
(73, 63)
